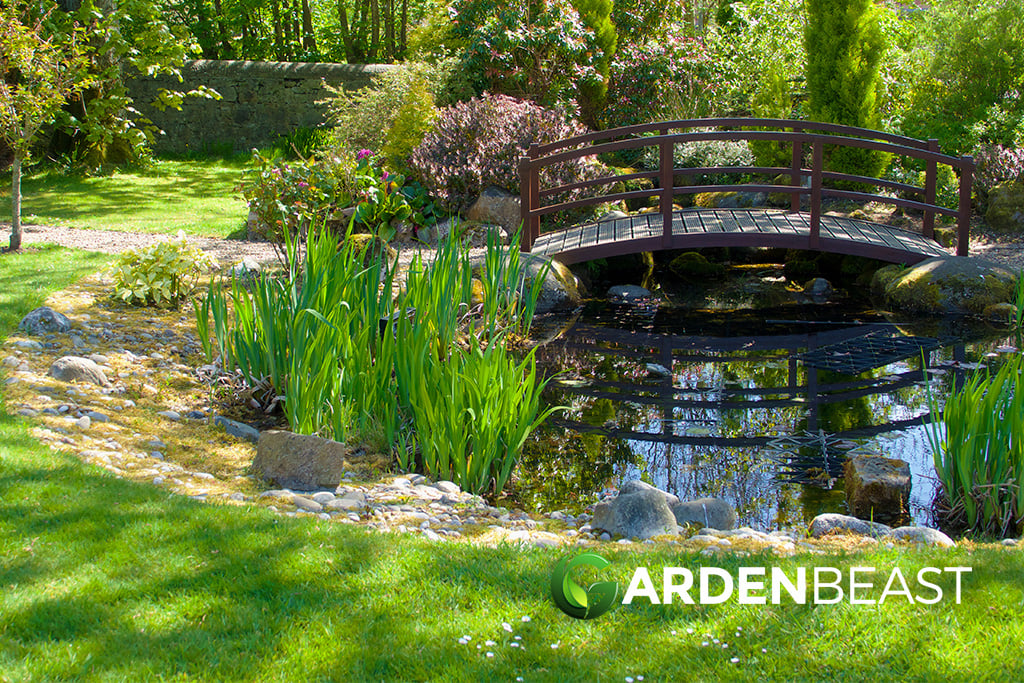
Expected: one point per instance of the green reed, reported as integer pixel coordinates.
(977, 440)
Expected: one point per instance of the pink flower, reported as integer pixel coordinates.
(363, 153)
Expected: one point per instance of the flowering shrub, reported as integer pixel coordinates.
(161, 273)
(664, 79)
(288, 195)
(997, 164)
(540, 50)
(383, 197)
(478, 143)
(705, 153)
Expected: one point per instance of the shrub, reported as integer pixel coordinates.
(383, 197)
(540, 50)
(706, 153)
(476, 144)
(661, 79)
(159, 274)
(997, 164)
(286, 196)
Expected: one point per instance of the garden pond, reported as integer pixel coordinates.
(758, 405)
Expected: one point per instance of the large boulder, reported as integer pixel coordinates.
(730, 200)
(496, 205)
(711, 513)
(76, 369)
(877, 488)
(300, 461)
(638, 512)
(943, 285)
(44, 320)
(832, 523)
(559, 291)
(1006, 207)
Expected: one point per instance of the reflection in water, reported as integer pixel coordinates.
(762, 419)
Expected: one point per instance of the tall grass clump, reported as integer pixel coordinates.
(977, 440)
(422, 369)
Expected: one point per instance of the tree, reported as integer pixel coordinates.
(845, 46)
(39, 75)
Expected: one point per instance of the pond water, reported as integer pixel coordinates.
(759, 406)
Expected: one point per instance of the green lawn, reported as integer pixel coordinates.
(196, 196)
(104, 579)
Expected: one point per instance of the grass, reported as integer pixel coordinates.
(196, 196)
(105, 579)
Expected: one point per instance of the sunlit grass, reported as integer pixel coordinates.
(196, 196)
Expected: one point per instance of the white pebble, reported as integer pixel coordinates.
(525, 619)
(735, 660)
(507, 626)
(490, 654)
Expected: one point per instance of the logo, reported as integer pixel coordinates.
(572, 599)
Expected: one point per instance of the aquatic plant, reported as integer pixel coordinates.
(977, 441)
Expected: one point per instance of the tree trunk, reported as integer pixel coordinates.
(308, 39)
(275, 9)
(403, 32)
(374, 29)
(16, 202)
(346, 36)
(222, 34)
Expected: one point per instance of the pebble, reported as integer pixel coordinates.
(172, 415)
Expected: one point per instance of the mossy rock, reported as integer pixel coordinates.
(693, 267)
(1006, 207)
(367, 244)
(801, 269)
(729, 200)
(945, 285)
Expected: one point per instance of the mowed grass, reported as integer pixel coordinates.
(196, 196)
(104, 579)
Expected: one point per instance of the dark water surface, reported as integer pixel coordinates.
(759, 407)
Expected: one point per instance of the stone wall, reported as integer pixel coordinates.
(261, 100)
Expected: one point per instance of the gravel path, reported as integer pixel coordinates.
(1007, 250)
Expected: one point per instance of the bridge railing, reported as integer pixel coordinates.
(804, 180)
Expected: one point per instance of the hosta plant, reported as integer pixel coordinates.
(161, 273)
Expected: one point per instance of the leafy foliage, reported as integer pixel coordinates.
(476, 144)
(997, 164)
(160, 274)
(978, 446)
(844, 50)
(382, 198)
(438, 364)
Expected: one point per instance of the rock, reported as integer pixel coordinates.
(97, 417)
(1005, 313)
(172, 415)
(496, 205)
(306, 504)
(30, 344)
(559, 291)
(99, 359)
(642, 513)
(44, 320)
(941, 285)
(247, 269)
(634, 485)
(693, 267)
(300, 461)
(447, 487)
(1006, 207)
(830, 523)
(83, 422)
(627, 293)
(76, 369)
(818, 288)
(612, 215)
(730, 200)
(713, 513)
(239, 429)
(657, 370)
(922, 534)
(323, 497)
(877, 488)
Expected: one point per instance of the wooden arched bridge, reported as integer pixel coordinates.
(802, 226)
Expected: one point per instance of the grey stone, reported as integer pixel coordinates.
(634, 485)
(1009, 542)
(99, 359)
(819, 288)
(559, 290)
(831, 523)
(642, 513)
(97, 417)
(83, 423)
(306, 504)
(44, 320)
(76, 369)
(239, 429)
(323, 497)
(877, 488)
(172, 415)
(300, 461)
(658, 370)
(952, 284)
(922, 534)
(711, 512)
(29, 344)
(628, 293)
(447, 487)
(612, 215)
(496, 205)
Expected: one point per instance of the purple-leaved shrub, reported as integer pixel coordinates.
(476, 144)
(997, 164)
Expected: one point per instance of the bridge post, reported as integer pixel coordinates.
(666, 178)
(963, 219)
(794, 174)
(817, 169)
(529, 191)
(930, 177)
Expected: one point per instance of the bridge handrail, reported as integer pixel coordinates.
(599, 142)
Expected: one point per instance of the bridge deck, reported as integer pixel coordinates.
(696, 228)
